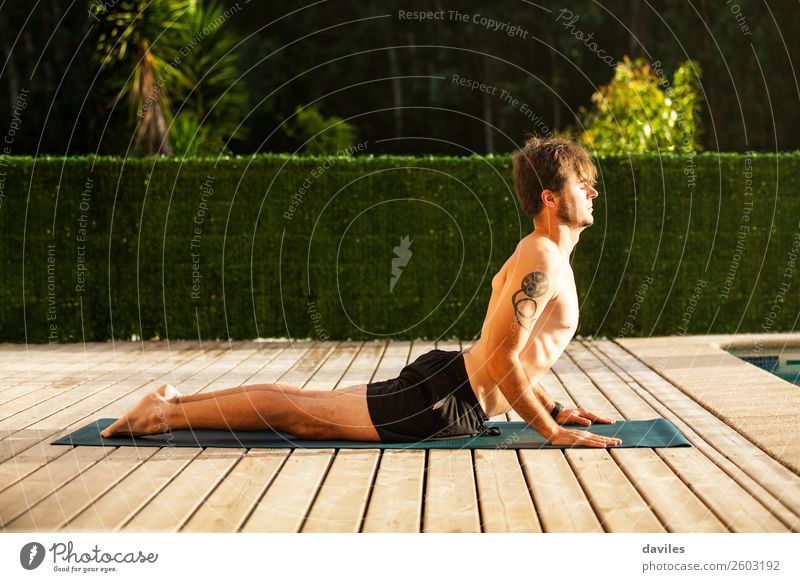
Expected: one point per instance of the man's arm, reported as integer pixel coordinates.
(529, 287)
(543, 396)
(527, 290)
(568, 415)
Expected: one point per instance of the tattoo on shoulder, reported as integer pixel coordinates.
(533, 285)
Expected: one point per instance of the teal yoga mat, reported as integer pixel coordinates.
(657, 432)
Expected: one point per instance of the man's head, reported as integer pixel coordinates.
(555, 173)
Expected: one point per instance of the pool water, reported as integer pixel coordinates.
(785, 365)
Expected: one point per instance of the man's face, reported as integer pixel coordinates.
(575, 203)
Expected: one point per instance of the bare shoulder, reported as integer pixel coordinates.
(541, 255)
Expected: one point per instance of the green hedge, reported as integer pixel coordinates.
(662, 225)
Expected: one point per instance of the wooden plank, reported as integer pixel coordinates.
(736, 509)
(451, 503)
(33, 360)
(285, 503)
(267, 365)
(237, 359)
(758, 475)
(289, 497)
(76, 398)
(583, 392)
(362, 369)
(75, 496)
(308, 364)
(228, 494)
(53, 384)
(329, 375)
(395, 357)
(605, 389)
(757, 404)
(343, 497)
(20, 445)
(8, 349)
(223, 370)
(25, 451)
(561, 502)
(396, 502)
(74, 414)
(15, 500)
(207, 469)
(132, 492)
(505, 502)
(176, 502)
(616, 502)
(23, 456)
(341, 501)
(229, 505)
(44, 379)
(137, 461)
(670, 499)
(676, 506)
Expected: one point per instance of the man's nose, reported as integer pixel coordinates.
(593, 193)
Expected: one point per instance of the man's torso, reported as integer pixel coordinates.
(551, 333)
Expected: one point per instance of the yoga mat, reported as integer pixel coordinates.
(657, 432)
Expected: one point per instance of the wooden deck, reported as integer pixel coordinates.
(736, 477)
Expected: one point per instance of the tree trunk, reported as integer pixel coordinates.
(152, 132)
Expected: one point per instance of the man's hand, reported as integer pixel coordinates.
(580, 416)
(567, 436)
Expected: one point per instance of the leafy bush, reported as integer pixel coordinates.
(191, 137)
(320, 135)
(640, 110)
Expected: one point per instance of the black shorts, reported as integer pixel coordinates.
(430, 399)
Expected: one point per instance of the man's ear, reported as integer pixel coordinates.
(549, 198)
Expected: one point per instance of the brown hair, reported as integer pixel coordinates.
(544, 164)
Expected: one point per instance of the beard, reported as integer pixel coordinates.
(568, 214)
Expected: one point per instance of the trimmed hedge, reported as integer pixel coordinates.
(303, 247)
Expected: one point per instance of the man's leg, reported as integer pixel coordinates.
(236, 390)
(358, 389)
(308, 414)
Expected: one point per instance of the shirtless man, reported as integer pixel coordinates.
(532, 316)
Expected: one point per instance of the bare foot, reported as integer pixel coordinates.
(149, 416)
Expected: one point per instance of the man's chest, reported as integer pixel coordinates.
(561, 313)
(554, 328)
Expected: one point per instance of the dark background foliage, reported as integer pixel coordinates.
(345, 53)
